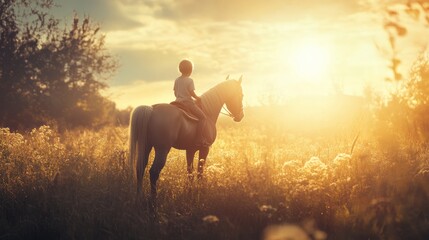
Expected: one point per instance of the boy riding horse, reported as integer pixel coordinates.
(184, 90)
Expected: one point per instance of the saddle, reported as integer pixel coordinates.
(185, 110)
(210, 128)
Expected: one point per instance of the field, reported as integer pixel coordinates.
(334, 143)
(76, 185)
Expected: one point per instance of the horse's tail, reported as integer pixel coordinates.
(138, 133)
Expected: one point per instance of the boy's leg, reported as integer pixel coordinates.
(201, 122)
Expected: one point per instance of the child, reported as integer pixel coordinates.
(184, 90)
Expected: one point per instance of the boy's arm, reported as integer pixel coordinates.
(195, 95)
(192, 91)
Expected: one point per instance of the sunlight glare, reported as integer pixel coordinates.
(311, 61)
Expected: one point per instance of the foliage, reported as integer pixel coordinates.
(77, 185)
(397, 17)
(406, 112)
(48, 74)
(416, 94)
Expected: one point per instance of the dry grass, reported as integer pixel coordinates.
(76, 186)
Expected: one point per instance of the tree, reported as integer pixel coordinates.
(395, 26)
(416, 93)
(48, 74)
(408, 107)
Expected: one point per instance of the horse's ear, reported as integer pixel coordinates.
(227, 77)
(241, 79)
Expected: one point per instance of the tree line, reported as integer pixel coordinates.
(51, 74)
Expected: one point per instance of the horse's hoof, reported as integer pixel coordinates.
(191, 177)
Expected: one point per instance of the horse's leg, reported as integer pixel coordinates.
(204, 151)
(141, 166)
(190, 153)
(159, 162)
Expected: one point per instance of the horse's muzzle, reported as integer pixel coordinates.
(239, 117)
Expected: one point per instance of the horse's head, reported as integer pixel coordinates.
(235, 101)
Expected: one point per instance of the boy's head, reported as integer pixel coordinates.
(185, 67)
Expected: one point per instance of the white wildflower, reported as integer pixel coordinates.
(314, 166)
(267, 208)
(290, 165)
(286, 231)
(215, 168)
(210, 219)
(342, 159)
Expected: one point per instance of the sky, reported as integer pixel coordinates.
(282, 48)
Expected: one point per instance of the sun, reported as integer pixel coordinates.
(311, 61)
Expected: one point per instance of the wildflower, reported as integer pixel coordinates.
(290, 165)
(257, 163)
(211, 219)
(319, 235)
(215, 168)
(267, 208)
(422, 175)
(314, 166)
(309, 225)
(285, 231)
(342, 159)
(314, 162)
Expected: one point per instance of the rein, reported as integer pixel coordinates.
(213, 100)
(228, 113)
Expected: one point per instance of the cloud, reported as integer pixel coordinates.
(141, 93)
(110, 14)
(263, 52)
(149, 64)
(255, 10)
(256, 38)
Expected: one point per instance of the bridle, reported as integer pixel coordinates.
(228, 113)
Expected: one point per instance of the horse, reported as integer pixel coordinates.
(164, 126)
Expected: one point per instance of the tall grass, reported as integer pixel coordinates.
(77, 186)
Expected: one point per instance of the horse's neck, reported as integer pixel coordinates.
(213, 101)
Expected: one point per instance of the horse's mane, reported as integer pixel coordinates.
(214, 97)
